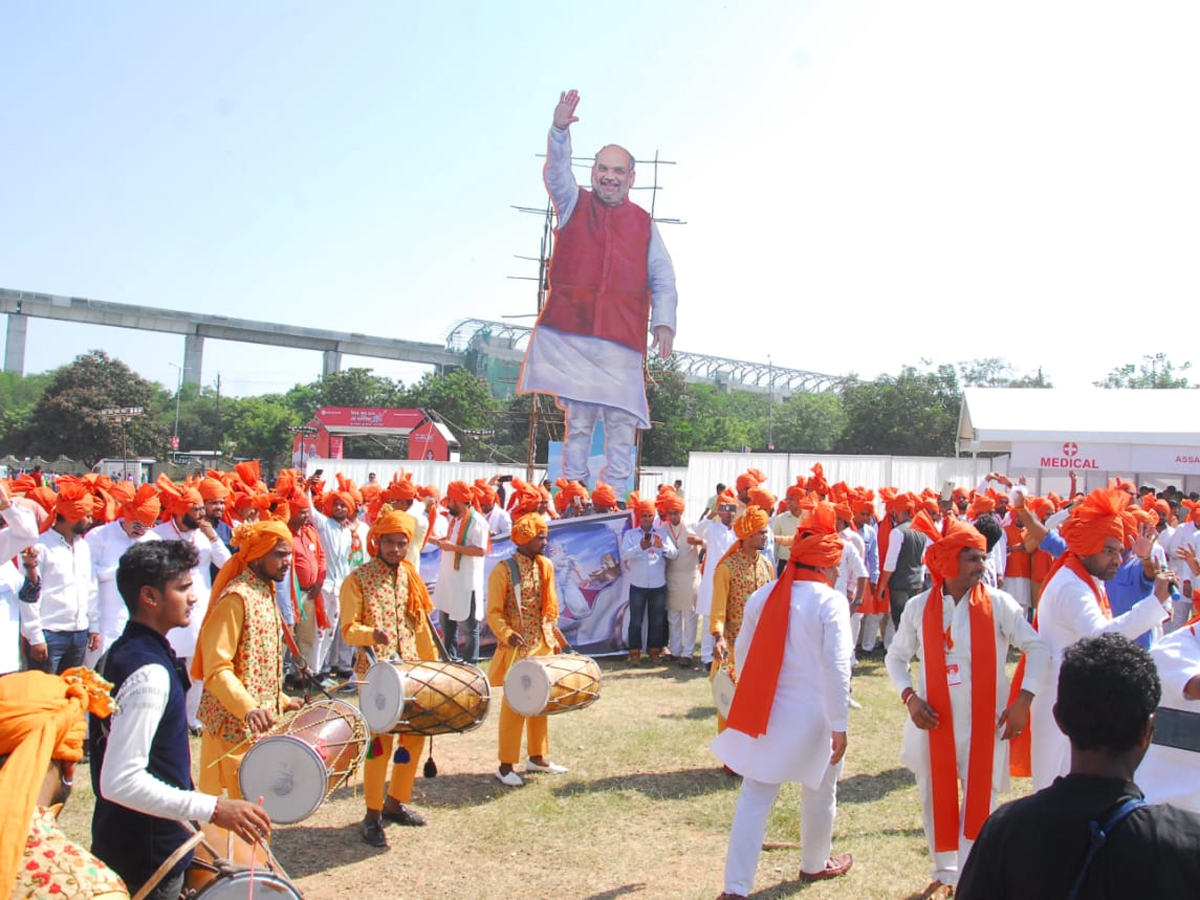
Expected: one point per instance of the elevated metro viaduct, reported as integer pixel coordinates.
(493, 350)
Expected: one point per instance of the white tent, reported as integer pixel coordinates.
(1151, 436)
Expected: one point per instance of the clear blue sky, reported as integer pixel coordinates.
(865, 183)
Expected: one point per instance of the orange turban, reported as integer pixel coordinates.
(400, 488)
(643, 507)
(960, 492)
(525, 498)
(1102, 514)
(750, 478)
(672, 502)
(460, 492)
(250, 473)
(122, 491)
(942, 554)
(485, 493)
(288, 488)
(561, 501)
(762, 498)
(1041, 507)
(980, 505)
(844, 512)
(752, 521)
(213, 488)
(74, 502)
(817, 483)
(797, 490)
(528, 527)
(42, 718)
(389, 521)
(726, 498)
(254, 541)
(144, 506)
(604, 495)
(817, 542)
(347, 492)
(177, 500)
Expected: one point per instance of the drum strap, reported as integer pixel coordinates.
(168, 864)
(514, 572)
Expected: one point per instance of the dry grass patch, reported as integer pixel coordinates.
(643, 814)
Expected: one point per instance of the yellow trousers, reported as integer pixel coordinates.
(221, 777)
(375, 769)
(511, 725)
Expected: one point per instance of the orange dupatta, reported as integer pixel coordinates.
(942, 753)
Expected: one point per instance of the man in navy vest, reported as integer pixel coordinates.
(141, 769)
(610, 275)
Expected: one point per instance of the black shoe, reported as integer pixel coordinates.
(372, 833)
(404, 815)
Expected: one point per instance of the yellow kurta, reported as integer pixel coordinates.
(376, 595)
(535, 619)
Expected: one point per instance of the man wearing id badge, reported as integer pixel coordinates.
(959, 715)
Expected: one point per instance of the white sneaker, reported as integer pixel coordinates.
(854, 704)
(512, 779)
(552, 768)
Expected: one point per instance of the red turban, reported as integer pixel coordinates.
(604, 495)
(74, 502)
(144, 506)
(942, 554)
(1102, 514)
(753, 520)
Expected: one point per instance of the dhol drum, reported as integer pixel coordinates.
(304, 759)
(546, 685)
(723, 687)
(424, 697)
(227, 868)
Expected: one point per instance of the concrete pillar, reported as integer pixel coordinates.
(193, 358)
(14, 344)
(331, 363)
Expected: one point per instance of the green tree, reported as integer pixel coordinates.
(912, 414)
(67, 420)
(810, 423)
(19, 396)
(998, 373)
(1153, 372)
(352, 387)
(464, 402)
(258, 428)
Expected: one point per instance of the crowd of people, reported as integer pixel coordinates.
(202, 602)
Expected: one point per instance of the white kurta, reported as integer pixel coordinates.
(683, 572)
(1168, 774)
(452, 593)
(212, 553)
(108, 543)
(1067, 613)
(812, 698)
(909, 643)
(718, 538)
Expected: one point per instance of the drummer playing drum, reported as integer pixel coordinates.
(525, 622)
(385, 605)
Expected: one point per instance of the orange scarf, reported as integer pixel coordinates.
(755, 695)
(1020, 758)
(943, 759)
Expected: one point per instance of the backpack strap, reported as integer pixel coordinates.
(1099, 838)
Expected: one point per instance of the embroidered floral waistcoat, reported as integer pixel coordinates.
(385, 605)
(257, 662)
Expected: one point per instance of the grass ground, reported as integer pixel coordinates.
(644, 812)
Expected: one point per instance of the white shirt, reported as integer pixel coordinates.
(70, 600)
(647, 568)
(812, 697)
(212, 553)
(22, 530)
(499, 521)
(1067, 613)
(718, 538)
(124, 778)
(909, 643)
(452, 593)
(107, 544)
(337, 539)
(851, 568)
(10, 618)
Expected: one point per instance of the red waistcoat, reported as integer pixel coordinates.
(599, 283)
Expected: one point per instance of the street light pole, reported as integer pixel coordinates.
(770, 404)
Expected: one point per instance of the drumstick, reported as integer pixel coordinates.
(253, 859)
(437, 639)
(309, 677)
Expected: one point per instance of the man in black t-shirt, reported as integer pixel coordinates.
(1037, 847)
